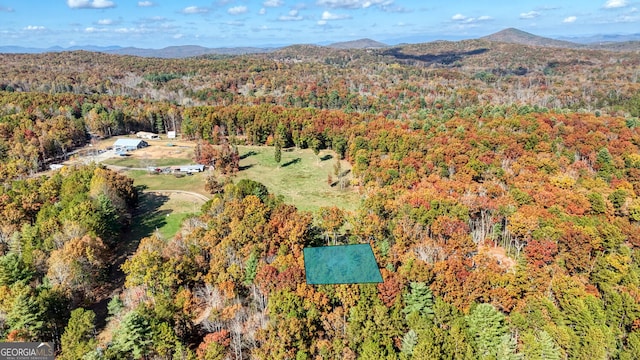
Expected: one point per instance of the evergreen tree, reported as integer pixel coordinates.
(409, 341)
(277, 156)
(548, 348)
(78, 338)
(419, 299)
(13, 269)
(487, 330)
(134, 337)
(115, 306)
(25, 318)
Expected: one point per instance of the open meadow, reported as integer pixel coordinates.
(301, 176)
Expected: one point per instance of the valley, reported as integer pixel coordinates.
(497, 181)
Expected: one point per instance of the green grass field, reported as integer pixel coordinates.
(301, 177)
(193, 183)
(162, 212)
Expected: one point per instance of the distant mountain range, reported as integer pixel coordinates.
(187, 51)
(30, 50)
(358, 44)
(600, 42)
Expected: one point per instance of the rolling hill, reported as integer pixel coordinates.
(358, 44)
(515, 36)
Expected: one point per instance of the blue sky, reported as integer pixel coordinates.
(229, 23)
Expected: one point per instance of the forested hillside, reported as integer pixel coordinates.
(500, 192)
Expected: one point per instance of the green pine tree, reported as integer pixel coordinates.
(548, 348)
(419, 299)
(409, 341)
(277, 156)
(487, 330)
(13, 269)
(79, 335)
(26, 315)
(134, 337)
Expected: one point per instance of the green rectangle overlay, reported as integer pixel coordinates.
(343, 264)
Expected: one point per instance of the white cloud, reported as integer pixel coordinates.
(90, 4)
(34, 28)
(6, 9)
(138, 30)
(178, 36)
(92, 29)
(237, 10)
(322, 22)
(273, 3)
(105, 22)
(529, 15)
(293, 15)
(614, 4)
(470, 20)
(195, 10)
(458, 17)
(262, 11)
(570, 19)
(353, 4)
(329, 16)
(145, 3)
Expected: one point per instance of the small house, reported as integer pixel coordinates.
(124, 145)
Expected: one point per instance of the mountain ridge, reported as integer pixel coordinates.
(516, 36)
(509, 35)
(364, 43)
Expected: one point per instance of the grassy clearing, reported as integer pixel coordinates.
(301, 177)
(163, 213)
(193, 183)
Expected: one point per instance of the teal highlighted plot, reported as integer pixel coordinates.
(343, 264)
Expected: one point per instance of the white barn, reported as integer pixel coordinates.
(124, 145)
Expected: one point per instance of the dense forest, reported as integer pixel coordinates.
(500, 190)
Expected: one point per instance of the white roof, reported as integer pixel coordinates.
(127, 142)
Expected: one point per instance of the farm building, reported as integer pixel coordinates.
(192, 168)
(188, 168)
(123, 145)
(147, 135)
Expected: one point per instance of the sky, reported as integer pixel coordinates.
(262, 23)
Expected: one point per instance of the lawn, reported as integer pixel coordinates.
(164, 213)
(193, 183)
(301, 177)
